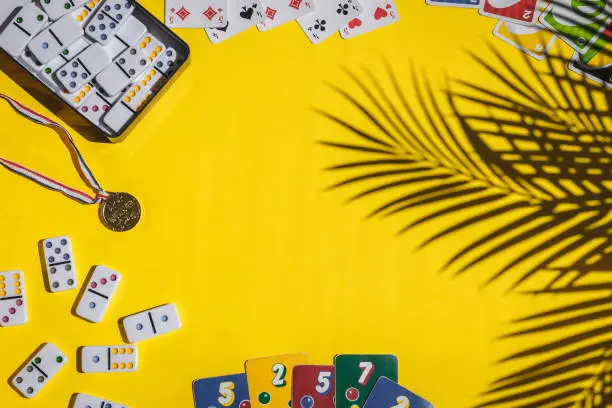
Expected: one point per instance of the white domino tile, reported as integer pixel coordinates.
(39, 370)
(13, 307)
(88, 401)
(28, 21)
(95, 106)
(83, 68)
(28, 59)
(53, 39)
(109, 359)
(128, 35)
(108, 19)
(151, 323)
(127, 106)
(8, 7)
(164, 66)
(59, 264)
(49, 69)
(130, 64)
(98, 293)
(77, 98)
(58, 8)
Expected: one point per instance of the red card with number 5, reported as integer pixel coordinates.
(313, 386)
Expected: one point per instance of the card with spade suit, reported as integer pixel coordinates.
(279, 12)
(196, 13)
(376, 14)
(329, 16)
(243, 14)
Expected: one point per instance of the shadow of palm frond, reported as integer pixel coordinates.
(531, 157)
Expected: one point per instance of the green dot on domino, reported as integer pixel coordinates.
(48, 70)
(40, 17)
(37, 360)
(19, 20)
(67, 6)
(59, 359)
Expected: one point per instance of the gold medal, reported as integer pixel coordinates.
(120, 212)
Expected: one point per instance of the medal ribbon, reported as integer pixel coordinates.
(47, 182)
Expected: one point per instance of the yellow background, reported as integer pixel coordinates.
(240, 234)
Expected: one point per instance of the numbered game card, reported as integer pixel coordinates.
(313, 386)
(356, 375)
(389, 394)
(269, 379)
(228, 391)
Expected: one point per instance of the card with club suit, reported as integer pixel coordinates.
(278, 12)
(242, 15)
(376, 14)
(328, 18)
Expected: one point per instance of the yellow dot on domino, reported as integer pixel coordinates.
(115, 366)
(16, 276)
(1, 278)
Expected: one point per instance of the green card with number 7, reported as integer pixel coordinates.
(356, 375)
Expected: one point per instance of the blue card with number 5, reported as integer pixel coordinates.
(227, 391)
(389, 394)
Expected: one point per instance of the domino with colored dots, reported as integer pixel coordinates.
(128, 35)
(62, 58)
(89, 401)
(129, 104)
(8, 7)
(59, 35)
(108, 19)
(151, 323)
(28, 21)
(95, 106)
(163, 67)
(86, 11)
(56, 9)
(13, 308)
(109, 359)
(77, 98)
(59, 264)
(39, 370)
(83, 68)
(130, 64)
(97, 293)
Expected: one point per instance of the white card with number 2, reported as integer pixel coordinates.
(376, 14)
(242, 15)
(196, 13)
(329, 16)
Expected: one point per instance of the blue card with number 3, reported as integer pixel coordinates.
(389, 394)
(228, 391)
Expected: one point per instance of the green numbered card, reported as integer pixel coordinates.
(356, 375)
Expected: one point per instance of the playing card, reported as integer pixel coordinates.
(389, 394)
(596, 62)
(376, 14)
(228, 391)
(454, 3)
(313, 386)
(356, 375)
(270, 378)
(570, 20)
(242, 15)
(196, 13)
(532, 40)
(329, 16)
(278, 12)
(516, 11)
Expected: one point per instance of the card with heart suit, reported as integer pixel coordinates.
(514, 11)
(328, 17)
(196, 13)
(356, 375)
(313, 386)
(532, 40)
(228, 391)
(376, 14)
(279, 12)
(270, 379)
(389, 394)
(242, 15)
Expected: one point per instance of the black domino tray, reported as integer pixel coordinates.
(29, 80)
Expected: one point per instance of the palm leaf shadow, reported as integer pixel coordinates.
(533, 155)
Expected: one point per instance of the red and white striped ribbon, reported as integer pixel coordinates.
(45, 181)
